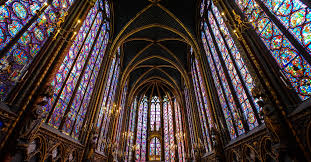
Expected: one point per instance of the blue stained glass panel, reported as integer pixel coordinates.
(295, 16)
(222, 86)
(81, 61)
(232, 71)
(293, 65)
(13, 16)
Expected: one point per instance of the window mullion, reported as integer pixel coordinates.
(81, 76)
(23, 30)
(303, 51)
(88, 83)
(228, 79)
(202, 117)
(223, 90)
(250, 98)
(104, 105)
(69, 72)
(203, 113)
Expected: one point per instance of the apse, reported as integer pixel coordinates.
(155, 125)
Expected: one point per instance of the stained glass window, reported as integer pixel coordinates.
(155, 114)
(108, 105)
(131, 129)
(294, 16)
(180, 135)
(233, 74)
(141, 139)
(189, 114)
(226, 100)
(120, 112)
(75, 79)
(202, 104)
(155, 149)
(103, 111)
(169, 141)
(205, 124)
(230, 74)
(18, 15)
(162, 113)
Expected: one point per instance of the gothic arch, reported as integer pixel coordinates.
(234, 156)
(250, 154)
(37, 149)
(55, 153)
(266, 152)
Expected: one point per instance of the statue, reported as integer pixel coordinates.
(217, 144)
(91, 146)
(31, 124)
(115, 155)
(33, 120)
(277, 128)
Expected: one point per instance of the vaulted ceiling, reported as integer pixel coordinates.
(155, 37)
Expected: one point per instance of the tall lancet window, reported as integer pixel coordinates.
(155, 114)
(284, 27)
(202, 103)
(31, 23)
(120, 112)
(180, 134)
(156, 134)
(189, 114)
(108, 105)
(75, 79)
(141, 137)
(131, 129)
(155, 149)
(230, 73)
(169, 141)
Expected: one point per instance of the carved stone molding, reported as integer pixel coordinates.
(209, 157)
(99, 157)
(56, 146)
(248, 147)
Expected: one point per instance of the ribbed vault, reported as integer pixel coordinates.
(155, 46)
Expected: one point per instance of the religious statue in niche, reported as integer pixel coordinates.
(217, 144)
(90, 151)
(278, 130)
(30, 124)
